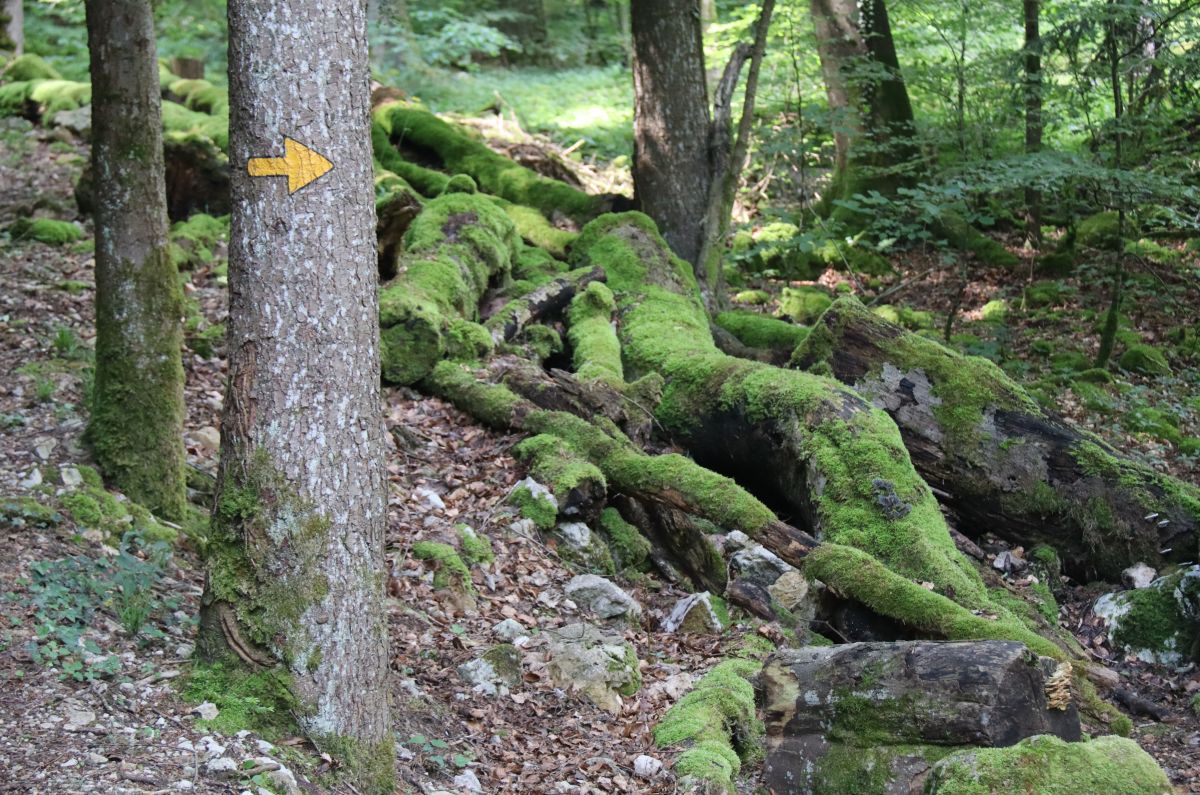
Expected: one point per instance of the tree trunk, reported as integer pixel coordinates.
(136, 427)
(295, 576)
(1002, 464)
(1033, 113)
(873, 118)
(14, 27)
(671, 164)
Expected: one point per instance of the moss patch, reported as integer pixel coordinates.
(1145, 360)
(1049, 766)
(260, 702)
(45, 230)
(596, 352)
(630, 549)
(715, 724)
(762, 331)
(449, 569)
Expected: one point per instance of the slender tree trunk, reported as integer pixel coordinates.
(296, 576)
(872, 114)
(136, 426)
(13, 17)
(1033, 113)
(1109, 333)
(671, 165)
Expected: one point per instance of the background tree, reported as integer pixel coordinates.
(295, 578)
(12, 26)
(136, 425)
(1032, 63)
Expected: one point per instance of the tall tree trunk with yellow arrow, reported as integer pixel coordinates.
(295, 572)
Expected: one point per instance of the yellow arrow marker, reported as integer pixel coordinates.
(299, 164)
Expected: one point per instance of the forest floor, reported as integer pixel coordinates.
(115, 718)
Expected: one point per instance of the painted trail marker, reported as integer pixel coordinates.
(299, 164)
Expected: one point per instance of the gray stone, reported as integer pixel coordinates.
(468, 781)
(207, 711)
(284, 781)
(221, 767)
(913, 694)
(602, 597)
(578, 544)
(71, 478)
(77, 121)
(646, 767)
(482, 677)
(601, 667)
(509, 629)
(1187, 594)
(759, 565)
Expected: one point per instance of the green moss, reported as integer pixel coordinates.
(856, 574)
(762, 331)
(261, 702)
(20, 512)
(461, 183)
(28, 67)
(715, 725)
(540, 340)
(490, 404)
(804, 304)
(995, 311)
(596, 353)
(964, 237)
(536, 230)
(1153, 621)
(475, 548)
(630, 549)
(553, 463)
(370, 767)
(194, 240)
(201, 95)
(1145, 360)
(1047, 765)
(449, 569)
(630, 663)
(1122, 726)
(462, 154)
(756, 297)
(536, 508)
(45, 230)
(264, 554)
(1099, 231)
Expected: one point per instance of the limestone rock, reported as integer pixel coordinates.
(1139, 575)
(602, 667)
(578, 544)
(758, 565)
(602, 597)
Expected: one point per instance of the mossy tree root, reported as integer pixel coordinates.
(547, 300)
(1001, 462)
(669, 485)
(460, 153)
(458, 246)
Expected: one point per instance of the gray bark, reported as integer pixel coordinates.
(136, 427)
(671, 165)
(302, 429)
(15, 29)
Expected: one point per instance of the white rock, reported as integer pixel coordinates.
(646, 766)
(32, 480)
(96, 759)
(222, 766)
(44, 447)
(70, 477)
(758, 565)
(602, 667)
(207, 438)
(207, 711)
(482, 677)
(209, 747)
(284, 781)
(264, 747)
(467, 780)
(78, 716)
(576, 533)
(184, 650)
(1139, 575)
(185, 744)
(182, 784)
(431, 498)
(602, 597)
(537, 490)
(508, 629)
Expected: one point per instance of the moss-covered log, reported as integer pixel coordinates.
(456, 247)
(1001, 462)
(545, 301)
(456, 151)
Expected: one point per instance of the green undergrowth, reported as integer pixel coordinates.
(45, 230)
(715, 727)
(259, 701)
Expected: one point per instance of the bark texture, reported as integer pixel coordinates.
(671, 165)
(1032, 62)
(999, 461)
(136, 426)
(873, 117)
(14, 27)
(296, 574)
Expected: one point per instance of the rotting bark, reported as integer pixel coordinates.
(998, 460)
(136, 426)
(549, 299)
(295, 571)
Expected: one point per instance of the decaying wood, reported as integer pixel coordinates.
(545, 301)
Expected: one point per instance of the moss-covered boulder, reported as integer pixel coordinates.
(872, 717)
(1144, 360)
(601, 667)
(45, 230)
(629, 548)
(28, 67)
(1048, 766)
(1158, 624)
(804, 304)
(1101, 231)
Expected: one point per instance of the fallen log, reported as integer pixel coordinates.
(1004, 464)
